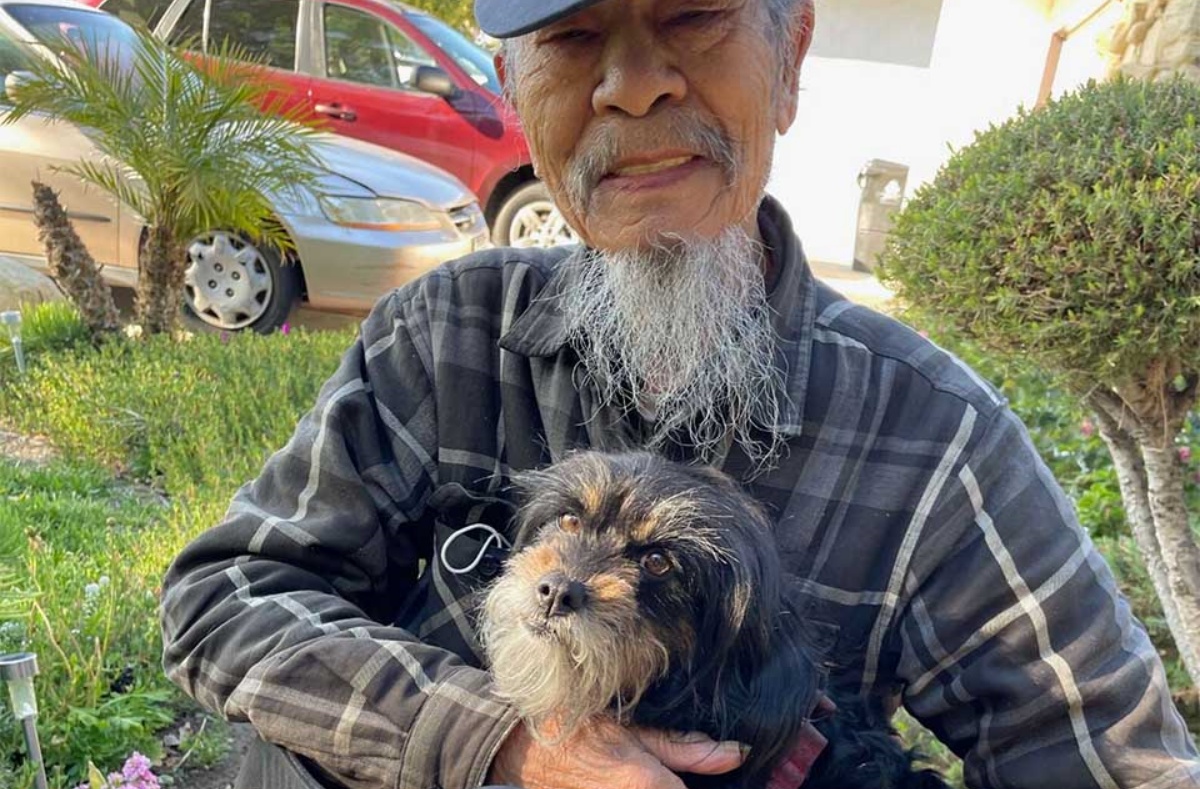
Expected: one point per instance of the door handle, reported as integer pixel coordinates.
(336, 110)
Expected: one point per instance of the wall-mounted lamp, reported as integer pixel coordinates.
(18, 670)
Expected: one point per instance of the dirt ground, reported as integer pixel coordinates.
(222, 774)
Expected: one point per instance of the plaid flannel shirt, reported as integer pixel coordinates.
(937, 557)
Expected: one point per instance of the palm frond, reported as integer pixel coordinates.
(116, 180)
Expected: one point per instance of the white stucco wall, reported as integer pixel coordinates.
(986, 60)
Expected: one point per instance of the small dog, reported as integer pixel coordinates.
(652, 592)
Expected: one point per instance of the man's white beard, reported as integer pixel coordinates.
(682, 330)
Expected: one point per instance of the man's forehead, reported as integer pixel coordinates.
(508, 18)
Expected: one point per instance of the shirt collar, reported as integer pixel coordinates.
(541, 330)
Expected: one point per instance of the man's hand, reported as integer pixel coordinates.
(605, 755)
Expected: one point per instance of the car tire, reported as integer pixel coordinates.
(234, 284)
(528, 218)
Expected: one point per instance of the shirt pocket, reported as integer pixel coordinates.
(471, 537)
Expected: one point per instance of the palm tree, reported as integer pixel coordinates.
(189, 147)
(72, 267)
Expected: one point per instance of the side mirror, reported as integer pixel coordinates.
(432, 79)
(13, 82)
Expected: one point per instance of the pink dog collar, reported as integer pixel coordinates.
(793, 770)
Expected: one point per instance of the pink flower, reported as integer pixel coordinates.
(285, 328)
(137, 767)
(1087, 428)
(1185, 454)
(224, 337)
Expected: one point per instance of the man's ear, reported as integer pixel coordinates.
(802, 30)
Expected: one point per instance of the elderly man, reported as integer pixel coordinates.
(940, 561)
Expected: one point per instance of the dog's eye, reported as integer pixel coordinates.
(656, 563)
(569, 523)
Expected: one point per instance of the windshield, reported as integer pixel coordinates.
(92, 31)
(470, 58)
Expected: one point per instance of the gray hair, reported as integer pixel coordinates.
(781, 17)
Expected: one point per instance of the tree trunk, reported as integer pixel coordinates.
(1151, 482)
(1180, 551)
(1131, 476)
(72, 267)
(160, 281)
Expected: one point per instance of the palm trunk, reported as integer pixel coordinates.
(160, 281)
(1152, 486)
(72, 267)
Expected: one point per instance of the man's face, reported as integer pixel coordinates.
(655, 119)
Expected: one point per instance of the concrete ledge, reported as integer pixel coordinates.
(20, 285)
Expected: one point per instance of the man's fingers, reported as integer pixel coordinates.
(647, 776)
(691, 752)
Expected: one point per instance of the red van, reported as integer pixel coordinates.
(387, 73)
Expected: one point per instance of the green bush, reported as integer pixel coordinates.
(1067, 235)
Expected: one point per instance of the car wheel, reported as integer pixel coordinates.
(232, 284)
(528, 218)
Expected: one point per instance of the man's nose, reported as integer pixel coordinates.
(638, 76)
(560, 595)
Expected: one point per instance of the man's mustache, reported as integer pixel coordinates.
(600, 151)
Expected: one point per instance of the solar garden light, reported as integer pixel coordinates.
(18, 670)
(12, 321)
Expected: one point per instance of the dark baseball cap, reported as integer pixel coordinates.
(508, 18)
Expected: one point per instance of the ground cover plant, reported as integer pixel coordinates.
(156, 435)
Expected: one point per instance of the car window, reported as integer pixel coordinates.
(470, 58)
(102, 35)
(265, 29)
(140, 13)
(364, 49)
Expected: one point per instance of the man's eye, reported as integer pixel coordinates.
(575, 36)
(695, 18)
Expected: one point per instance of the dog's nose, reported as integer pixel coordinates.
(560, 595)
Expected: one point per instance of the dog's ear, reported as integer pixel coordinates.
(761, 655)
(768, 695)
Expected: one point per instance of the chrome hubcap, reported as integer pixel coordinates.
(228, 284)
(539, 224)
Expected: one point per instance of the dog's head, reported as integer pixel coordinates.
(650, 591)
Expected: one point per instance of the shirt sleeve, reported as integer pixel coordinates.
(273, 616)
(1018, 650)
